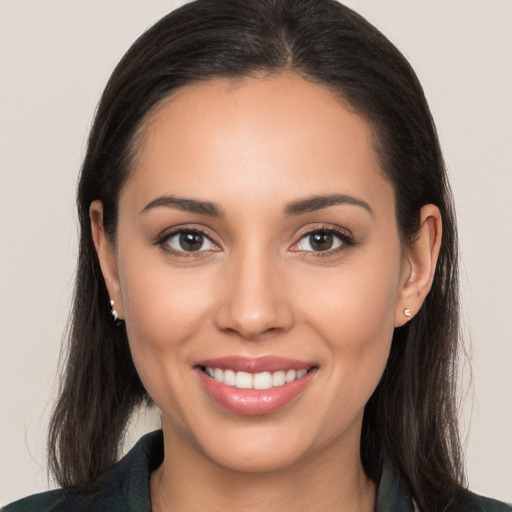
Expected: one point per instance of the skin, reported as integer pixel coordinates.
(258, 289)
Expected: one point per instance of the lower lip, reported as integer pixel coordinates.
(252, 402)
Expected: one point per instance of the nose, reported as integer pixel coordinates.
(254, 301)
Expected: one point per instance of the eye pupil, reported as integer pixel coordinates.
(321, 241)
(191, 241)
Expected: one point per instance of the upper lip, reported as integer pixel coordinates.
(255, 364)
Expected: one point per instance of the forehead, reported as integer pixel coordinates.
(280, 136)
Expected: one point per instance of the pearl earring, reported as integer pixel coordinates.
(407, 312)
(113, 312)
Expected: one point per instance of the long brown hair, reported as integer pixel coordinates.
(411, 417)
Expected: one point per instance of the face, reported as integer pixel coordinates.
(259, 270)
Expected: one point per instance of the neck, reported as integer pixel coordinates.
(332, 480)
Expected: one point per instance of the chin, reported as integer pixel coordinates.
(261, 459)
(262, 448)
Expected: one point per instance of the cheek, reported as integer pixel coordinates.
(163, 303)
(354, 314)
(355, 303)
(164, 310)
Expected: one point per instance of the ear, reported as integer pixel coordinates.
(420, 260)
(106, 256)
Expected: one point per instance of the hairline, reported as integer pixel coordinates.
(138, 140)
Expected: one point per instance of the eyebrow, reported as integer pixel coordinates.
(293, 208)
(313, 203)
(187, 205)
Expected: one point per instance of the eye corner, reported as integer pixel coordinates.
(341, 240)
(175, 247)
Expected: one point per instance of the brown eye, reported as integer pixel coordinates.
(320, 241)
(189, 241)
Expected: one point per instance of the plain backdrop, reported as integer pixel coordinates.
(55, 58)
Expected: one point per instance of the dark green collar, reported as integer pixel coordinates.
(147, 455)
(393, 494)
(125, 488)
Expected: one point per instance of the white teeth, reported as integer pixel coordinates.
(291, 375)
(243, 380)
(278, 378)
(218, 375)
(263, 380)
(229, 377)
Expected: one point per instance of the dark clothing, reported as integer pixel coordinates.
(125, 488)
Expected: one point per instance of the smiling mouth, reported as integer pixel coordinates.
(259, 381)
(255, 386)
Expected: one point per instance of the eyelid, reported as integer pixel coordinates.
(344, 235)
(164, 236)
(204, 240)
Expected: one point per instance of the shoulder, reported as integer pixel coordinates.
(124, 487)
(483, 504)
(394, 495)
(50, 501)
(467, 501)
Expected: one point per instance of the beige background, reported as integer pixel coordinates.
(55, 57)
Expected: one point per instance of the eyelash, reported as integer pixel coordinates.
(343, 236)
(164, 237)
(346, 241)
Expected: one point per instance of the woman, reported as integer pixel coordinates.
(268, 253)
